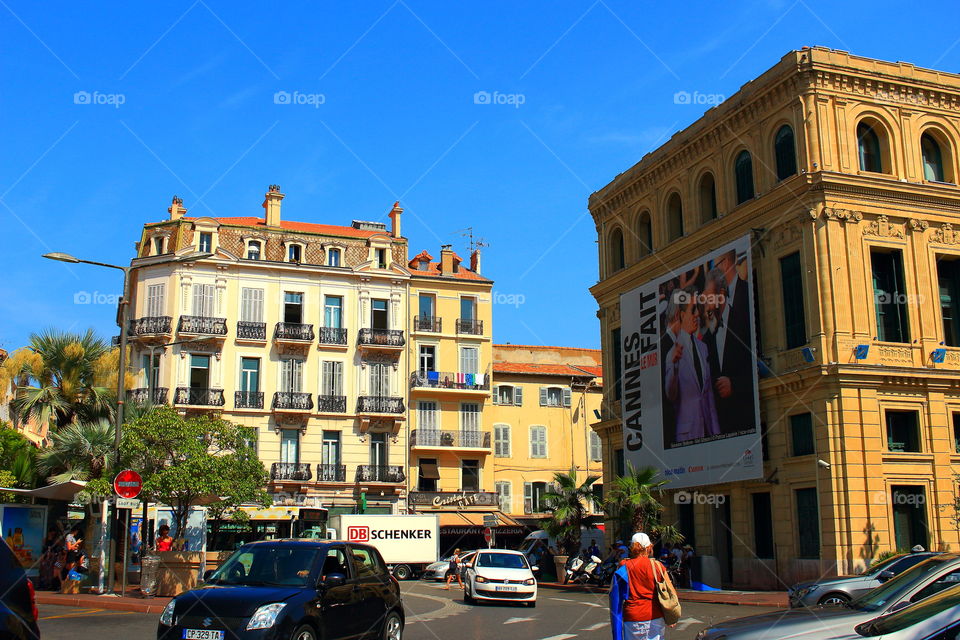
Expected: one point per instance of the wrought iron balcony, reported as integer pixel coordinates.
(379, 404)
(203, 325)
(251, 330)
(392, 474)
(296, 471)
(452, 439)
(150, 325)
(292, 401)
(427, 323)
(331, 404)
(472, 327)
(381, 337)
(443, 380)
(143, 396)
(199, 396)
(331, 473)
(333, 335)
(248, 399)
(293, 331)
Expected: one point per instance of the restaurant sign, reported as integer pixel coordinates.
(458, 499)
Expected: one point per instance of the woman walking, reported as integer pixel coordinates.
(454, 569)
(635, 609)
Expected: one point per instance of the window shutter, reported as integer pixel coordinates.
(543, 396)
(337, 378)
(528, 497)
(566, 397)
(325, 384)
(496, 394)
(155, 306)
(518, 396)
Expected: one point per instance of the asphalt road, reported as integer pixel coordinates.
(432, 614)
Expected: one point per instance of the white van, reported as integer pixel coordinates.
(537, 542)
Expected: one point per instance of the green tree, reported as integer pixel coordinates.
(185, 461)
(633, 503)
(82, 451)
(17, 456)
(566, 505)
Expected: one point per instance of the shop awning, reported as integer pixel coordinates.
(60, 491)
(429, 471)
(474, 519)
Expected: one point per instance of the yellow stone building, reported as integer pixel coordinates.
(843, 171)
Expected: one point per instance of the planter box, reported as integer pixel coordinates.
(178, 571)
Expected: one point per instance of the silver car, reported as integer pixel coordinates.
(817, 623)
(936, 618)
(843, 589)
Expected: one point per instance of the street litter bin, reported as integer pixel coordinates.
(148, 575)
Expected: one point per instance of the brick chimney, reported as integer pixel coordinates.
(395, 219)
(271, 204)
(446, 260)
(176, 209)
(475, 261)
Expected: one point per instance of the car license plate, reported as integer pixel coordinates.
(202, 634)
(505, 589)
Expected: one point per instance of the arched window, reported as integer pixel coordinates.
(616, 250)
(868, 147)
(674, 216)
(785, 150)
(708, 198)
(333, 257)
(253, 250)
(743, 170)
(933, 168)
(645, 234)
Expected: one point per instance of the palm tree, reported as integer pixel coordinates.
(82, 451)
(632, 501)
(567, 507)
(63, 377)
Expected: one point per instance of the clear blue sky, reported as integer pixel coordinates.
(398, 120)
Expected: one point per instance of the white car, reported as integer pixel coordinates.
(498, 574)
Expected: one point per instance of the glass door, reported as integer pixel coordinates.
(290, 446)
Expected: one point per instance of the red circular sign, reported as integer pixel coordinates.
(128, 484)
(487, 534)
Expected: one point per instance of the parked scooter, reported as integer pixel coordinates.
(604, 573)
(572, 568)
(587, 569)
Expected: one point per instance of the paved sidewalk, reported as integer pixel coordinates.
(132, 601)
(750, 598)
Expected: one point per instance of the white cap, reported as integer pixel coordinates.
(641, 539)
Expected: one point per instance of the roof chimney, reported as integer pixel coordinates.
(176, 209)
(271, 204)
(446, 260)
(395, 219)
(475, 261)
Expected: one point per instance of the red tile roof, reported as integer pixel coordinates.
(308, 227)
(434, 270)
(531, 368)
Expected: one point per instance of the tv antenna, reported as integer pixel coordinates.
(475, 243)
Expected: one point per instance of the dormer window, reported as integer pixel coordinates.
(206, 242)
(253, 250)
(333, 257)
(424, 265)
(157, 245)
(294, 253)
(381, 258)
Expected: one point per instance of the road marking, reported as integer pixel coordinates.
(686, 622)
(589, 604)
(594, 627)
(562, 636)
(513, 620)
(97, 612)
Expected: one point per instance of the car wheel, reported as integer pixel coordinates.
(392, 627)
(304, 632)
(402, 572)
(834, 599)
(466, 595)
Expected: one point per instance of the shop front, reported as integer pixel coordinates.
(464, 518)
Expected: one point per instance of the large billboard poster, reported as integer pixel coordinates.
(689, 396)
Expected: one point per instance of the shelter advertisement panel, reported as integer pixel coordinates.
(689, 386)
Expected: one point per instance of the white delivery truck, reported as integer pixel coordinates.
(408, 543)
(534, 545)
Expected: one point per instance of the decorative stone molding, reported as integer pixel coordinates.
(786, 235)
(918, 225)
(843, 215)
(945, 235)
(883, 228)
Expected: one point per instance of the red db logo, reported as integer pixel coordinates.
(358, 534)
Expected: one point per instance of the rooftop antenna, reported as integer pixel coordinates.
(475, 243)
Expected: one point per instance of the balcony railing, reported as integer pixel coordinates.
(199, 396)
(293, 331)
(143, 396)
(203, 325)
(331, 473)
(150, 325)
(333, 335)
(251, 330)
(248, 399)
(332, 404)
(381, 337)
(427, 323)
(297, 471)
(293, 400)
(453, 439)
(392, 474)
(379, 404)
(443, 380)
(472, 327)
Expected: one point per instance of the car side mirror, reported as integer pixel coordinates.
(534, 568)
(207, 574)
(885, 575)
(334, 580)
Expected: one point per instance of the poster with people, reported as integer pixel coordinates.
(689, 384)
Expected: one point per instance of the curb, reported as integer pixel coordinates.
(113, 603)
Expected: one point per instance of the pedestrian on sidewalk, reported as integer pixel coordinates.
(454, 570)
(164, 540)
(635, 611)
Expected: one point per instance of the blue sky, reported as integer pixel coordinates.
(579, 91)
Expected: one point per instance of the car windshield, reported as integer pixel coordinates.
(502, 561)
(949, 598)
(880, 566)
(891, 590)
(267, 565)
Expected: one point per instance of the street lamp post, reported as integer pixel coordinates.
(122, 366)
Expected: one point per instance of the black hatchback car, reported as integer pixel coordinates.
(18, 603)
(290, 590)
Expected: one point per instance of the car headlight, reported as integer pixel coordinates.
(530, 581)
(481, 579)
(265, 616)
(166, 616)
